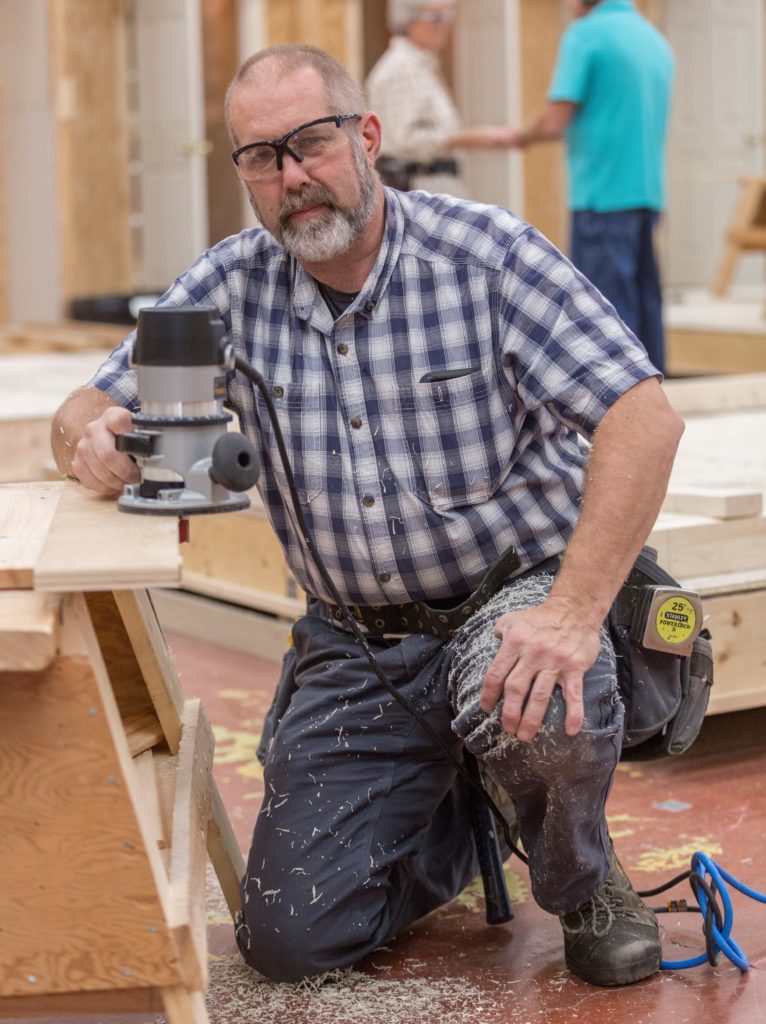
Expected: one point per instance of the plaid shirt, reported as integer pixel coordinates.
(407, 92)
(412, 488)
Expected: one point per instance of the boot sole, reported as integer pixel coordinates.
(635, 971)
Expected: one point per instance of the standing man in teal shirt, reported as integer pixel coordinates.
(609, 98)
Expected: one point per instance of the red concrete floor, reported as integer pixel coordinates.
(452, 968)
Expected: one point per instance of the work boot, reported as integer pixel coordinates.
(613, 938)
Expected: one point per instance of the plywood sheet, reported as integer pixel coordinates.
(91, 545)
(26, 511)
(71, 824)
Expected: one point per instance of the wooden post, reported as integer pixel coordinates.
(746, 231)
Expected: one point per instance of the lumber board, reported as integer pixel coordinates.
(143, 636)
(224, 852)
(696, 546)
(28, 630)
(26, 447)
(697, 351)
(81, 1005)
(733, 392)
(26, 512)
(91, 545)
(242, 594)
(714, 502)
(137, 709)
(240, 548)
(727, 582)
(188, 844)
(71, 817)
(736, 624)
(722, 450)
(60, 336)
(33, 385)
(146, 642)
(184, 1007)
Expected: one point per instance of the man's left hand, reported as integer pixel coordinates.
(541, 647)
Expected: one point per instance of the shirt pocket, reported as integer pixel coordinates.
(461, 436)
(299, 411)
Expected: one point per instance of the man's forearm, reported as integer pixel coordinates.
(82, 406)
(627, 476)
(547, 125)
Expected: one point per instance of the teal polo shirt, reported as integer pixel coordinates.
(618, 69)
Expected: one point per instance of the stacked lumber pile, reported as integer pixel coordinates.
(711, 534)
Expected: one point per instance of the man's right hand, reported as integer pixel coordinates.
(96, 462)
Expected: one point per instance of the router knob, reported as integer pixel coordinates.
(234, 463)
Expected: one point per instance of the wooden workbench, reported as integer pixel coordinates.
(107, 800)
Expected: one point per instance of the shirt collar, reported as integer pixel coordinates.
(307, 301)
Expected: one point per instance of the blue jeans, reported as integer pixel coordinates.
(365, 826)
(615, 251)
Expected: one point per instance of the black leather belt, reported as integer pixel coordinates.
(419, 617)
(444, 166)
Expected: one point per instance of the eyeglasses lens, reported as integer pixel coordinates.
(314, 142)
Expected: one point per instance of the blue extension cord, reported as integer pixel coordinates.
(719, 938)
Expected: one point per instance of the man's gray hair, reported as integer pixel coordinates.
(401, 12)
(342, 93)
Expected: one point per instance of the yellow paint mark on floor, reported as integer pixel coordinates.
(677, 858)
(234, 745)
(235, 694)
(622, 825)
(472, 897)
(251, 770)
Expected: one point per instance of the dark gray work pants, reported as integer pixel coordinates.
(365, 825)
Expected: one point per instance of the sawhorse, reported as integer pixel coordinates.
(108, 805)
(747, 231)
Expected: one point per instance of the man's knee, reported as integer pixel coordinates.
(286, 949)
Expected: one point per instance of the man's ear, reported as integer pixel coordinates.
(371, 135)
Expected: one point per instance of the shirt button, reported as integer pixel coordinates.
(277, 392)
(368, 501)
(369, 306)
(384, 577)
(356, 422)
(342, 349)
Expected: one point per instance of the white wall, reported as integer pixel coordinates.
(29, 162)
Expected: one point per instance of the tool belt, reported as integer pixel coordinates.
(665, 695)
(419, 617)
(399, 173)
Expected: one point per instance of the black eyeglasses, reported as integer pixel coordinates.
(313, 141)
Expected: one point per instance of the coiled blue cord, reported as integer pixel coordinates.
(717, 927)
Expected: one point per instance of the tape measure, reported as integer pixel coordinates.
(667, 619)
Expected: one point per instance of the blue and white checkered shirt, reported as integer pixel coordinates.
(412, 488)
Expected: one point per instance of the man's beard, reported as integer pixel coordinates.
(332, 232)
